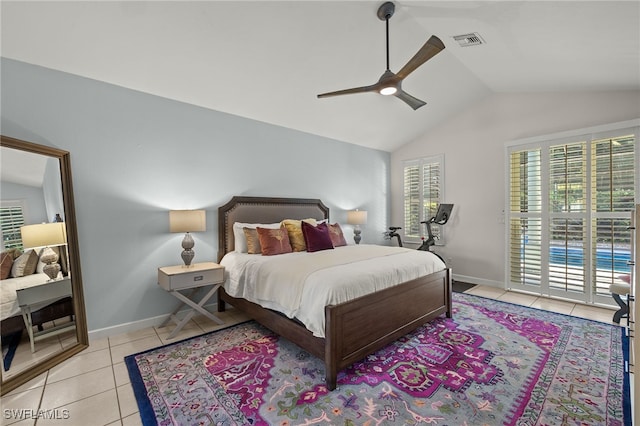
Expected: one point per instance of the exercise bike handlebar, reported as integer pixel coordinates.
(443, 221)
(393, 234)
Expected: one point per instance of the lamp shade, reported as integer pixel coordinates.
(356, 217)
(187, 221)
(43, 234)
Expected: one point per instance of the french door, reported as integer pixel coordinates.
(570, 202)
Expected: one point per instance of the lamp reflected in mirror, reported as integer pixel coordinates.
(45, 236)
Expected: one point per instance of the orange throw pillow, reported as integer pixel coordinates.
(274, 241)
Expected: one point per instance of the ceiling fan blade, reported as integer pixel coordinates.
(362, 89)
(431, 48)
(414, 103)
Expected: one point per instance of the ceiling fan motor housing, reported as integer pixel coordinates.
(385, 11)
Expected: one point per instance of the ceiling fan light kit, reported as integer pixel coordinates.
(386, 91)
(390, 83)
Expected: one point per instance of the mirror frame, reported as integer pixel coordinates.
(82, 334)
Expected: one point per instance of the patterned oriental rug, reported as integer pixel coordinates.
(494, 363)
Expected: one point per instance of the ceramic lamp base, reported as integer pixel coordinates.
(187, 245)
(51, 267)
(356, 235)
(187, 256)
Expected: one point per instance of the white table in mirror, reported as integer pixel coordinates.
(31, 299)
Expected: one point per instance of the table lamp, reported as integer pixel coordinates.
(187, 221)
(357, 218)
(45, 235)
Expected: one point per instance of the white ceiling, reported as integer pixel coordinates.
(267, 60)
(22, 167)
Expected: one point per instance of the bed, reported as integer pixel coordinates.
(11, 320)
(352, 330)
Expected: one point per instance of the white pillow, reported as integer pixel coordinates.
(240, 241)
(25, 264)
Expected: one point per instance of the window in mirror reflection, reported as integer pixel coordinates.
(11, 219)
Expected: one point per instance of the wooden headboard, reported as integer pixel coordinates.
(263, 210)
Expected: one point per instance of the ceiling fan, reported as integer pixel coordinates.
(391, 83)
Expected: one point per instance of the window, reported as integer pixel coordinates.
(423, 192)
(570, 204)
(11, 219)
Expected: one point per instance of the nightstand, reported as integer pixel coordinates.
(31, 299)
(175, 279)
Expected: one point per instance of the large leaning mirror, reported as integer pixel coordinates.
(42, 311)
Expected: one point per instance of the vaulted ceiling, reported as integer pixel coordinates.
(267, 60)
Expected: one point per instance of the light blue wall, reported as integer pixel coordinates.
(135, 156)
(35, 210)
(52, 189)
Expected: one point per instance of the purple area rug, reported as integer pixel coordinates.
(494, 363)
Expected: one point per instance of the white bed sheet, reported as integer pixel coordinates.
(322, 285)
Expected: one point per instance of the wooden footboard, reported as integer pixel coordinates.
(360, 327)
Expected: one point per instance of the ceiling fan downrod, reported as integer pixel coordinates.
(385, 12)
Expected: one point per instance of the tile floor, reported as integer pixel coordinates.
(93, 387)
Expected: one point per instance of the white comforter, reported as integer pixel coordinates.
(301, 284)
(9, 302)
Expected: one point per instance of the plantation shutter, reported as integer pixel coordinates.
(431, 194)
(613, 163)
(422, 195)
(412, 200)
(567, 216)
(525, 219)
(569, 210)
(11, 219)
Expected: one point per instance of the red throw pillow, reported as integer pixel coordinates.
(274, 241)
(316, 237)
(337, 237)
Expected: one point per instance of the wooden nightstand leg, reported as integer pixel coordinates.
(200, 306)
(180, 324)
(204, 300)
(26, 315)
(180, 305)
(195, 307)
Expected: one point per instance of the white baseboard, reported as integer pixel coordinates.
(481, 281)
(129, 327)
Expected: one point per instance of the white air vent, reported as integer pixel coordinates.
(466, 40)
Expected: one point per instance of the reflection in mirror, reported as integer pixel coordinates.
(42, 310)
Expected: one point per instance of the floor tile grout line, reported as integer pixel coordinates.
(115, 382)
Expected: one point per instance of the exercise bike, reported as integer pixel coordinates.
(442, 217)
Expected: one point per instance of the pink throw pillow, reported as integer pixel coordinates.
(337, 237)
